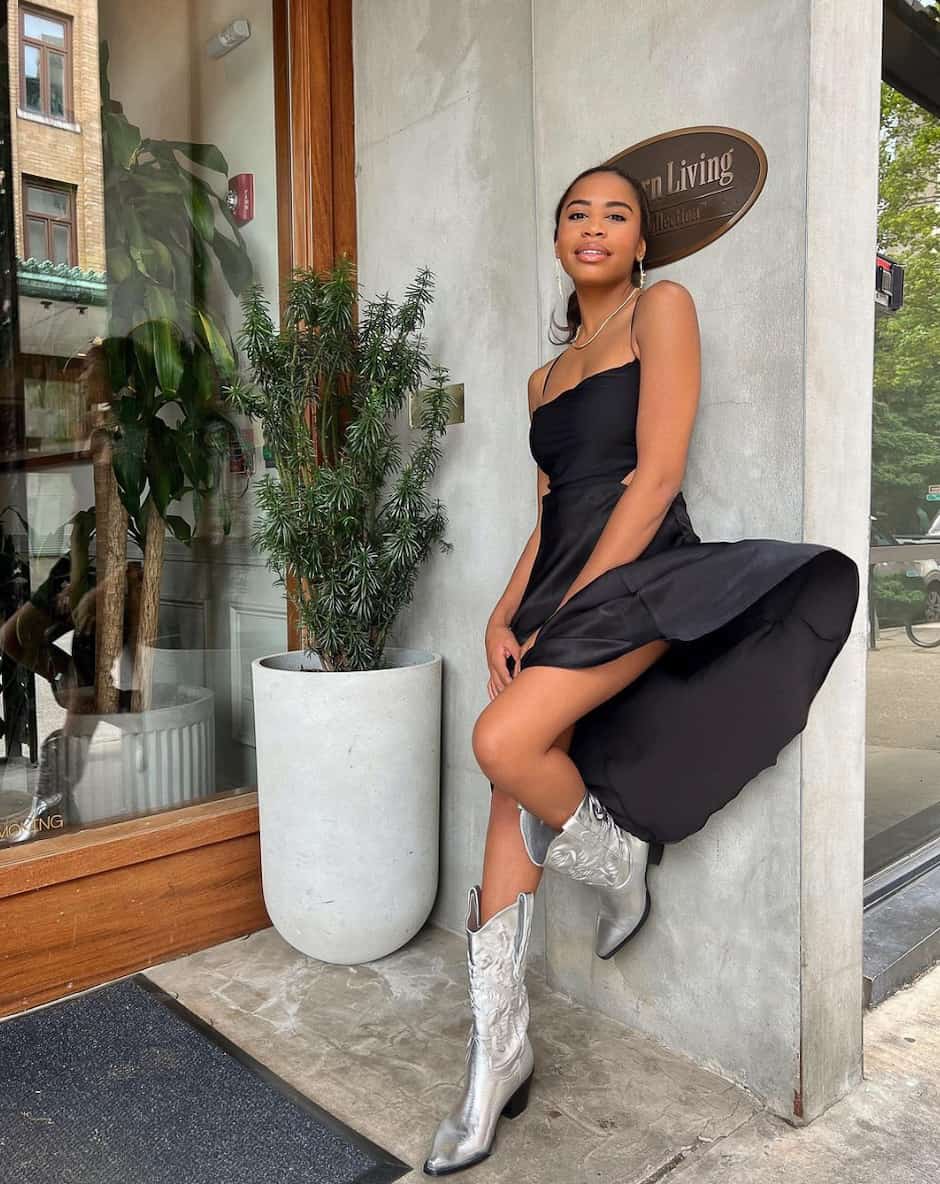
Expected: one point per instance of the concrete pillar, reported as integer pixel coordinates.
(751, 961)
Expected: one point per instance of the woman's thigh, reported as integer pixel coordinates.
(542, 703)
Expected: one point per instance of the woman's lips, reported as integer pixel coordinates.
(592, 257)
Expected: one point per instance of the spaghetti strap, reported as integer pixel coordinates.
(629, 338)
(545, 379)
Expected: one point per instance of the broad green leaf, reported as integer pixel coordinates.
(137, 236)
(166, 355)
(164, 266)
(205, 154)
(161, 305)
(128, 462)
(204, 375)
(145, 377)
(148, 262)
(120, 264)
(161, 480)
(218, 347)
(195, 463)
(235, 263)
(200, 212)
(115, 352)
(123, 138)
(180, 528)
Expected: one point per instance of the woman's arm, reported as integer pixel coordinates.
(505, 608)
(670, 377)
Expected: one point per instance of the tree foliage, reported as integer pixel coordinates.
(906, 409)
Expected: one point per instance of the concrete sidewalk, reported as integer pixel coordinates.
(381, 1046)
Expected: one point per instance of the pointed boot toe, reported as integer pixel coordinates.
(499, 1054)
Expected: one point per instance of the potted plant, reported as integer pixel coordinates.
(347, 728)
(162, 438)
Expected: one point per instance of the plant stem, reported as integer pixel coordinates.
(149, 610)
(111, 561)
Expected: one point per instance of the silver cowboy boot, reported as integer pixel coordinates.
(592, 848)
(499, 1055)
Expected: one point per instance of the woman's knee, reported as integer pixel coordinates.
(490, 745)
(500, 747)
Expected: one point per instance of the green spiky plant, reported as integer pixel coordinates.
(326, 392)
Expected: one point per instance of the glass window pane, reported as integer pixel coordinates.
(31, 74)
(195, 659)
(57, 85)
(43, 28)
(53, 410)
(47, 201)
(61, 243)
(35, 238)
(902, 803)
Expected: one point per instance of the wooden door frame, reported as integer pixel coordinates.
(316, 183)
(85, 907)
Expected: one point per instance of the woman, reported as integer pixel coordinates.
(623, 645)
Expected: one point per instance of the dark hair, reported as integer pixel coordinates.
(573, 311)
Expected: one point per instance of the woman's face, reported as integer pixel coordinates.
(600, 211)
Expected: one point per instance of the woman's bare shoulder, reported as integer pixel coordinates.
(667, 295)
(665, 308)
(536, 381)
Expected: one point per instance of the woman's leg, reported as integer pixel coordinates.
(507, 869)
(514, 737)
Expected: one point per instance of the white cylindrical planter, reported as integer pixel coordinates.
(136, 762)
(348, 800)
(212, 667)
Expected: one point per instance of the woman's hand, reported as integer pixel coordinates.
(500, 643)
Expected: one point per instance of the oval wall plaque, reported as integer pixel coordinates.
(699, 181)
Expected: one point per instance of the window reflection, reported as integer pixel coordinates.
(132, 602)
(903, 781)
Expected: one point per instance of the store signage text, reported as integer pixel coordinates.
(700, 181)
(11, 830)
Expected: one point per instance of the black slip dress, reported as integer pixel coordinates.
(754, 625)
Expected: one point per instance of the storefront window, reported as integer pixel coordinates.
(132, 599)
(903, 782)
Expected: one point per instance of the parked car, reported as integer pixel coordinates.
(920, 574)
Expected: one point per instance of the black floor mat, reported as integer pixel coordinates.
(123, 1085)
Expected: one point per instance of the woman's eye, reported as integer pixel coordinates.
(577, 213)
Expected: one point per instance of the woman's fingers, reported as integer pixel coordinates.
(500, 672)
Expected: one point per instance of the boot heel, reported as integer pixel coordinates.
(655, 853)
(519, 1100)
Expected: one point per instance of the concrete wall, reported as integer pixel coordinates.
(751, 960)
(445, 165)
(841, 231)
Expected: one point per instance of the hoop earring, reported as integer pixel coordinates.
(561, 291)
